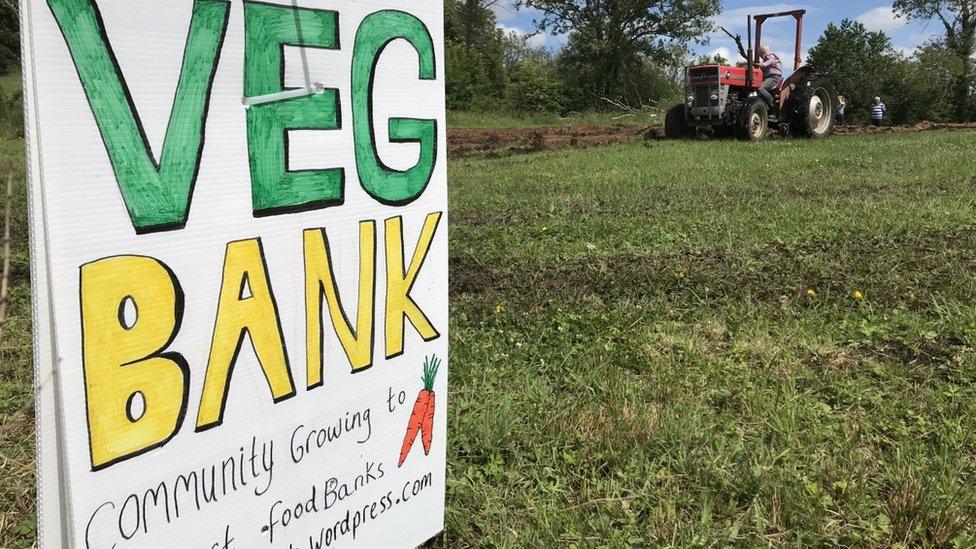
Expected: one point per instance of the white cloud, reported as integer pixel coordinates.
(539, 40)
(504, 10)
(735, 19)
(882, 18)
(905, 50)
(726, 53)
(778, 33)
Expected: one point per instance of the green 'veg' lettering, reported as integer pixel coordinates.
(156, 194)
(274, 188)
(389, 186)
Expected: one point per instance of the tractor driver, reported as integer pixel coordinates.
(772, 68)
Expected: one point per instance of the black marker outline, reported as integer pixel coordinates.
(372, 127)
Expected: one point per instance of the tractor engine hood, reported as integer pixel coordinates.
(725, 75)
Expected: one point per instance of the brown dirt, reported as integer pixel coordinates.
(506, 141)
(920, 127)
(467, 142)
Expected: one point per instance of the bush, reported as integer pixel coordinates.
(11, 114)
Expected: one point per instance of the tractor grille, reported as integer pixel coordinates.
(703, 84)
(703, 97)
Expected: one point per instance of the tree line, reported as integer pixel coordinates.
(632, 53)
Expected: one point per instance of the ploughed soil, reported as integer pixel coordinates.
(505, 141)
(467, 142)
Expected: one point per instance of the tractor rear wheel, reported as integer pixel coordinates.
(675, 123)
(752, 122)
(812, 107)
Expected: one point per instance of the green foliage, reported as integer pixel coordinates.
(11, 114)
(535, 84)
(925, 85)
(9, 37)
(716, 59)
(617, 49)
(958, 19)
(635, 81)
(475, 50)
(863, 64)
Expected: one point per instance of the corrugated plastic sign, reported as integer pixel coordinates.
(239, 246)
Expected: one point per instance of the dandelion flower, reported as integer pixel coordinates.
(858, 296)
(811, 293)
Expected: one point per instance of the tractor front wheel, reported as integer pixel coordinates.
(752, 123)
(812, 107)
(676, 123)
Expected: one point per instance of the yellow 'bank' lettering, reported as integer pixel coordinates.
(136, 394)
(399, 304)
(321, 289)
(246, 307)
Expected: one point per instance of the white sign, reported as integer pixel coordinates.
(239, 244)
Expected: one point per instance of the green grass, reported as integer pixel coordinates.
(11, 82)
(636, 360)
(17, 525)
(490, 120)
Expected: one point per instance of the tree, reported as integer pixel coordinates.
(9, 36)
(714, 59)
(535, 84)
(927, 83)
(862, 64)
(958, 17)
(474, 53)
(610, 41)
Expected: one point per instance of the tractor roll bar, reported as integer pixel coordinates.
(796, 14)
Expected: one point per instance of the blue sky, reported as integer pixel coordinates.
(876, 15)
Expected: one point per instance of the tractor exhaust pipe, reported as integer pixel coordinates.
(750, 58)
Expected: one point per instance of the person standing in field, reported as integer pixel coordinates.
(878, 112)
(772, 67)
(841, 110)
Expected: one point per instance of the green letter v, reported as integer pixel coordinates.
(157, 194)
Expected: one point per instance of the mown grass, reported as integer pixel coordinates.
(636, 359)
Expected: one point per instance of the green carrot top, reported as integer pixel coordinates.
(431, 364)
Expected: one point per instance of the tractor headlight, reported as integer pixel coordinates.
(714, 95)
(691, 98)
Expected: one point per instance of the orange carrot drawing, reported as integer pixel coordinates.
(422, 417)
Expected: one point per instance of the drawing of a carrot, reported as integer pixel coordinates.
(422, 417)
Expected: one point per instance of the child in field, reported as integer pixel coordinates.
(841, 110)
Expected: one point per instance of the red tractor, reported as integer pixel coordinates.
(723, 99)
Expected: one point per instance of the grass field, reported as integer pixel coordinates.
(660, 344)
